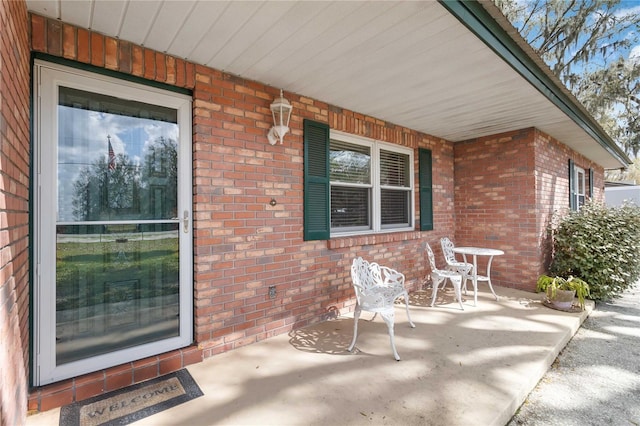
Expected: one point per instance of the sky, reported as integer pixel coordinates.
(631, 6)
(624, 7)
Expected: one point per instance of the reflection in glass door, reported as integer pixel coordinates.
(121, 251)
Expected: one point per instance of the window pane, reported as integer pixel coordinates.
(395, 207)
(117, 286)
(350, 163)
(349, 207)
(580, 181)
(394, 169)
(117, 159)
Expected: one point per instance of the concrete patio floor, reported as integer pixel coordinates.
(471, 367)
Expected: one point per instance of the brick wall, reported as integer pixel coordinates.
(552, 186)
(242, 244)
(14, 211)
(495, 202)
(507, 188)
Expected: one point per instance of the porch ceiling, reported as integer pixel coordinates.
(411, 63)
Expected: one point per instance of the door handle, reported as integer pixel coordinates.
(185, 221)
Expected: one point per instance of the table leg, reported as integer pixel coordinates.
(489, 277)
(475, 280)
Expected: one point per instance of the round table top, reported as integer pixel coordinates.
(479, 251)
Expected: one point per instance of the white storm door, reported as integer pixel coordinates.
(113, 235)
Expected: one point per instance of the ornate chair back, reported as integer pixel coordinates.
(377, 287)
(440, 276)
(447, 250)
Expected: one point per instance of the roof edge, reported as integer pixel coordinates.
(513, 49)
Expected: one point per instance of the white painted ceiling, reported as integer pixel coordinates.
(407, 62)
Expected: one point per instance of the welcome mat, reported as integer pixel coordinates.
(136, 402)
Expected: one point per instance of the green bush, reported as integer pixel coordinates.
(601, 245)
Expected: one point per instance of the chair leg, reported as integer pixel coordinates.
(457, 284)
(434, 289)
(356, 315)
(406, 303)
(388, 318)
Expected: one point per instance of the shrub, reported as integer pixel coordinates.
(601, 245)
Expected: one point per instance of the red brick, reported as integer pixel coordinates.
(56, 400)
(98, 376)
(190, 75)
(84, 45)
(171, 70)
(161, 67)
(119, 381)
(124, 57)
(145, 373)
(111, 53)
(69, 41)
(89, 390)
(180, 72)
(149, 64)
(171, 364)
(34, 403)
(54, 37)
(38, 40)
(191, 355)
(137, 67)
(97, 49)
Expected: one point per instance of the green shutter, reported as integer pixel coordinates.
(316, 181)
(426, 190)
(591, 183)
(572, 186)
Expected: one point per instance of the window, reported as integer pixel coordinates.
(371, 185)
(577, 186)
(354, 185)
(580, 187)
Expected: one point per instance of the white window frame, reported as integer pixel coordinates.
(581, 186)
(375, 185)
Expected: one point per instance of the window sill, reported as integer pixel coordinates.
(372, 239)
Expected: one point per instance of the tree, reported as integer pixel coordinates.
(160, 179)
(123, 190)
(101, 191)
(583, 42)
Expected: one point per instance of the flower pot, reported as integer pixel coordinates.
(562, 299)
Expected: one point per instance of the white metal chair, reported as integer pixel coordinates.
(377, 287)
(439, 276)
(463, 268)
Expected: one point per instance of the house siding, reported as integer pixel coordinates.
(242, 244)
(507, 188)
(14, 211)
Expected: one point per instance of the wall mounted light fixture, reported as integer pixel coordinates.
(281, 112)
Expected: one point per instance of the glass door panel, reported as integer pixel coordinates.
(121, 254)
(117, 286)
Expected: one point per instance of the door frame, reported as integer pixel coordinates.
(47, 77)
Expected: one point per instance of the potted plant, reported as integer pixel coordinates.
(561, 291)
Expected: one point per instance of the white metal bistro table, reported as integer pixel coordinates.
(475, 252)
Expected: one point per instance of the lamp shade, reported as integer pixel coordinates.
(281, 112)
